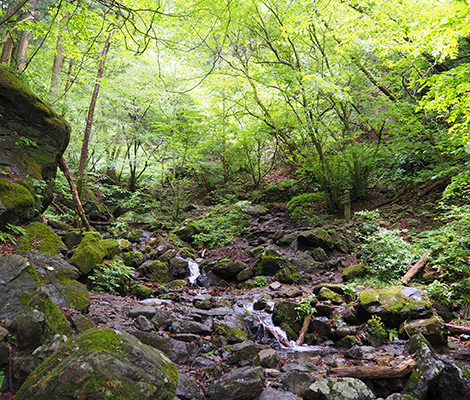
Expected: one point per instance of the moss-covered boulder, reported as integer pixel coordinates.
(228, 270)
(244, 383)
(290, 275)
(89, 253)
(269, 263)
(394, 305)
(34, 138)
(159, 271)
(285, 315)
(41, 238)
(433, 329)
(102, 364)
(315, 238)
(187, 230)
(132, 258)
(229, 331)
(352, 272)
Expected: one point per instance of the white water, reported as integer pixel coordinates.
(194, 271)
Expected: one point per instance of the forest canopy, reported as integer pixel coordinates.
(223, 93)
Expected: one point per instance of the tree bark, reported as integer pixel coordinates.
(78, 204)
(57, 68)
(91, 111)
(7, 47)
(303, 331)
(375, 372)
(22, 50)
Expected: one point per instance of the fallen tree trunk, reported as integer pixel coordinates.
(375, 372)
(458, 329)
(416, 268)
(277, 336)
(303, 331)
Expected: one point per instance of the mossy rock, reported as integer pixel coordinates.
(231, 333)
(88, 253)
(316, 238)
(394, 305)
(132, 258)
(326, 294)
(354, 271)
(141, 292)
(285, 315)
(159, 272)
(228, 270)
(16, 203)
(270, 263)
(34, 138)
(102, 364)
(290, 276)
(41, 238)
(433, 329)
(256, 251)
(187, 230)
(112, 247)
(177, 284)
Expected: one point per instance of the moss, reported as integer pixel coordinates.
(187, 230)
(328, 294)
(232, 334)
(132, 258)
(99, 384)
(285, 315)
(269, 263)
(88, 253)
(290, 275)
(112, 247)
(354, 271)
(160, 272)
(41, 238)
(256, 251)
(141, 291)
(75, 294)
(176, 284)
(17, 200)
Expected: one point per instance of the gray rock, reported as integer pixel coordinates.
(275, 394)
(142, 323)
(146, 311)
(242, 354)
(295, 381)
(96, 359)
(187, 389)
(245, 383)
(338, 389)
(188, 326)
(162, 319)
(268, 358)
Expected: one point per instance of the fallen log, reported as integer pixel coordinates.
(458, 329)
(375, 372)
(303, 331)
(416, 268)
(277, 336)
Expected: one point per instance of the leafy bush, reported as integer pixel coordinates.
(305, 307)
(115, 277)
(439, 291)
(221, 224)
(387, 254)
(296, 205)
(376, 328)
(259, 281)
(369, 220)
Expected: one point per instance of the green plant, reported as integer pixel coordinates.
(8, 236)
(369, 220)
(297, 206)
(25, 142)
(376, 328)
(221, 224)
(2, 378)
(305, 307)
(440, 292)
(392, 334)
(387, 254)
(115, 277)
(258, 281)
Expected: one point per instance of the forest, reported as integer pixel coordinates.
(298, 161)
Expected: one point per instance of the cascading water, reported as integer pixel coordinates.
(194, 271)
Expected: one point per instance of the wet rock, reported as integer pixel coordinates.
(315, 238)
(96, 358)
(318, 254)
(267, 358)
(285, 316)
(295, 381)
(188, 326)
(179, 267)
(350, 314)
(162, 319)
(276, 394)
(143, 324)
(327, 294)
(202, 302)
(269, 263)
(304, 262)
(346, 330)
(242, 354)
(245, 383)
(229, 331)
(338, 389)
(322, 326)
(394, 305)
(228, 270)
(275, 286)
(433, 329)
(187, 389)
(435, 377)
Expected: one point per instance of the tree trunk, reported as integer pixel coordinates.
(375, 372)
(22, 50)
(7, 47)
(57, 68)
(416, 268)
(91, 111)
(78, 204)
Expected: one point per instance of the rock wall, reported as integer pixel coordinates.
(32, 140)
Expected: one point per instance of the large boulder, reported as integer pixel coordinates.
(245, 383)
(338, 389)
(32, 140)
(394, 305)
(102, 364)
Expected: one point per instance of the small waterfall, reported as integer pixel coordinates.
(194, 271)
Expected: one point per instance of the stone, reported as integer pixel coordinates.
(231, 332)
(132, 258)
(246, 383)
(142, 323)
(179, 268)
(285, 316)
(188, 326)
(146, 311)
(89, 253)
(268, 358)
(275, 286)
(101, 362)
(33, 139)
(315, 238)
(187, 230)
(327, 294)
(352, 272)
(269, 263)
(228, 270)
(276, 394)
(318, 254)
(242, 354)
(338, 389)
(81, 323)
(433, 329)
(295, 381)
(322, 326)
(304, 262)
(28, 328)
(187, 389)
(41, 238)
(394, 305)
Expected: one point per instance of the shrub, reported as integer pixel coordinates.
(115, 277)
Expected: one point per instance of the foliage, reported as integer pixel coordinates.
(440, 291)
(375, 327)
(115, 277)
(258, 281)
(387, 254)
(221, 224)
(369, 220)
(11, 234)
(306, 307)
(25, 142)
(297, 205)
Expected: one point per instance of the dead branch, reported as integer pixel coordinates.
(416, 268)
(375, 372)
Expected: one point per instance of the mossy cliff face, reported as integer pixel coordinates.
(32, 140)
(103, 364)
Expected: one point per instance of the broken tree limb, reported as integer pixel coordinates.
(375, 372)
(78, 204)
(458, 329)
(277, 336)
(303, 331)
(416, 268)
